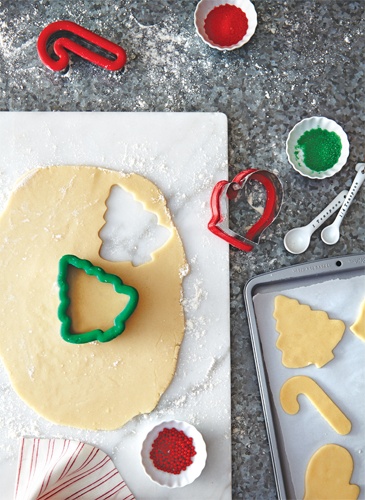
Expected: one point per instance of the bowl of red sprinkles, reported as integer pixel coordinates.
(225, 25)
(173, 454)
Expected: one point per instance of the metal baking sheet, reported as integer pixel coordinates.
(291, 278)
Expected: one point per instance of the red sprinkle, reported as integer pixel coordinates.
(226, 25)
(172, 451)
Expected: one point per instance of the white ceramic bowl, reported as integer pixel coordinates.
(298, 131)
(205, 6)
(185, 477)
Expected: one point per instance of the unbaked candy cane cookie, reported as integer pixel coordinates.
(326, 407)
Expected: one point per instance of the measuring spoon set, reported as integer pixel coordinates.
(297, 240)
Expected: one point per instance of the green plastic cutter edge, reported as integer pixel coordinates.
(103, 277)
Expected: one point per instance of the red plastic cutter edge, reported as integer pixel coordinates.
(61, 44)
(273, 203)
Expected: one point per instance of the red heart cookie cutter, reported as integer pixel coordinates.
(224, 191)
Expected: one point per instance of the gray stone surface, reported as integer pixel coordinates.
(305, 59)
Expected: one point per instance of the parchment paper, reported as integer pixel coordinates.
(343, 379)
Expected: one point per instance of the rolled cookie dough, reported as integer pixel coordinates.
(56, 211)
(306, 336)
(328, 475)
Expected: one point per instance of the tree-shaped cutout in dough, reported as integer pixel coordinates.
(130, 233)
(358, 328)
(305, 336)
(329, 473)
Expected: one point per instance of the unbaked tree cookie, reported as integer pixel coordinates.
(358, 328)
(329, 473)
(305, 336)
(58, 211)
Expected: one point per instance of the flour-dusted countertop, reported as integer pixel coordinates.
(305, 59)
(184, 154)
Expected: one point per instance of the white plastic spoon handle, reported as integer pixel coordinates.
(328, 211)
(331, 234)
(355, 186)
(297, 240)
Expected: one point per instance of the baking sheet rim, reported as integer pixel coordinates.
(314, 269)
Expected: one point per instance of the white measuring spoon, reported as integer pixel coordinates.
(297, 240)
(331, 234)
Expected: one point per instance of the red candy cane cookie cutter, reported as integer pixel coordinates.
(224, 191)
(61, 44)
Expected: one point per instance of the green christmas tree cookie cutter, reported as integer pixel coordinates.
(103, 277)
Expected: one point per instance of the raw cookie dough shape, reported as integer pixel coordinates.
(326, 407)
(358, 328)
(103, 277)
(57, 211)
(305, 336)
(328, 475)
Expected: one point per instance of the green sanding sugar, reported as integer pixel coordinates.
(321, 149)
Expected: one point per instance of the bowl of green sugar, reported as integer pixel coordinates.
(317, 147)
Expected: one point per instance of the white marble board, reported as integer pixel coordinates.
(184, 154)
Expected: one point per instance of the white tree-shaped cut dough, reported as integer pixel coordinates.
(131, 232)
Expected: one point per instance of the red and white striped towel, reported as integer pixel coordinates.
(59, 469)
